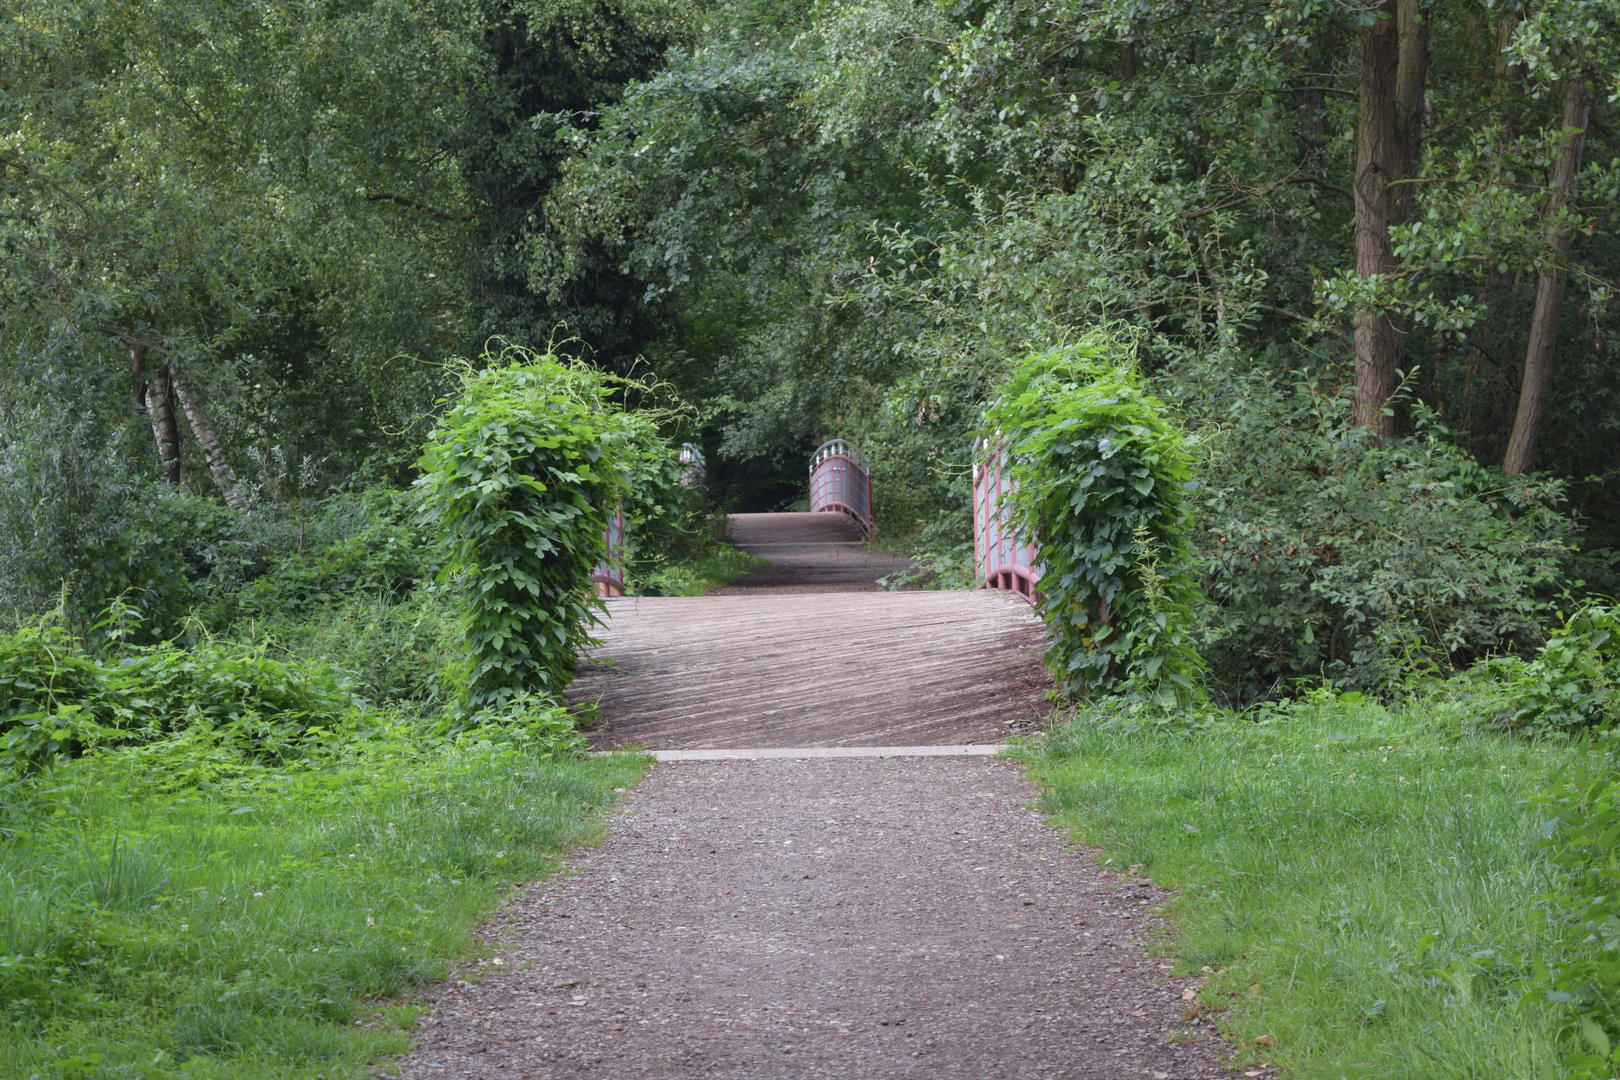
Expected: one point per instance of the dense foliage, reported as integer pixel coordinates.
(1102, 478)
(520, 477)
(1327, 556)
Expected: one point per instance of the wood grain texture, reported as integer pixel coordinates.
(816, 669)
(808, 553)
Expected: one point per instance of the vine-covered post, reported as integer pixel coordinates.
(1096, 473)
(520, 476)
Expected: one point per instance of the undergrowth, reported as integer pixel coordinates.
(697, 573)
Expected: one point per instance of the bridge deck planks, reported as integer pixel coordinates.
(816, 669)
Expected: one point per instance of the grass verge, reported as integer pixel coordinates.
(1359, 883)
(262, 931)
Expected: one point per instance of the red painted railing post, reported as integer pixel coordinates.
(609, 574)
(841, 480)
(1001, 558)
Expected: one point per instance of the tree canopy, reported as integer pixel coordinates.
(237, 235)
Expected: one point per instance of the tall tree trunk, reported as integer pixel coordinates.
(1505, 26)
(155, 390)
(1538, 355)
(1411, 77)
(1127, 60)
(1378, 338)
(224, 475)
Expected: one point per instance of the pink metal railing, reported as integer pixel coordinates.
(693, 471)
(609, 574)
(1001, 558)
(841, 480)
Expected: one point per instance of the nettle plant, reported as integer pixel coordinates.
(519, 478)
(1101, 472)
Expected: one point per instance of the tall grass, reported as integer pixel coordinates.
(1360, 883)
(254, 932)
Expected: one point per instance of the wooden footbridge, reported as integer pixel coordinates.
(756, 913)
(808, 651)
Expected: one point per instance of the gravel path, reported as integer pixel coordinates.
(858, 918)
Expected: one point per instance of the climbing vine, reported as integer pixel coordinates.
(519, 477)
(1101, 472)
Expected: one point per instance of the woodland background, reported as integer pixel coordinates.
(241, 240)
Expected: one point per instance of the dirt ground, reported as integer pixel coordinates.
(898, 917)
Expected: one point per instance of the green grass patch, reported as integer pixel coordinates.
(695, 575)
(269, 929)
(1360, 883)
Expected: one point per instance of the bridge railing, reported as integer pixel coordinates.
(609, 573)
(841, 479)
(694, 473)
(1002, 559)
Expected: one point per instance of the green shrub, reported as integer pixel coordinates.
(393, 650)
(376, 552)
(229, 699)
(525, 721)
(1569, 686)
(519, 479)
(231, 695)
(53, 697)
(1102, 475)
(1327, 556)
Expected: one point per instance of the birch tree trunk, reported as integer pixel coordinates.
(224, 475)
(1378, 337)
(157, 395)
(1538, 355)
